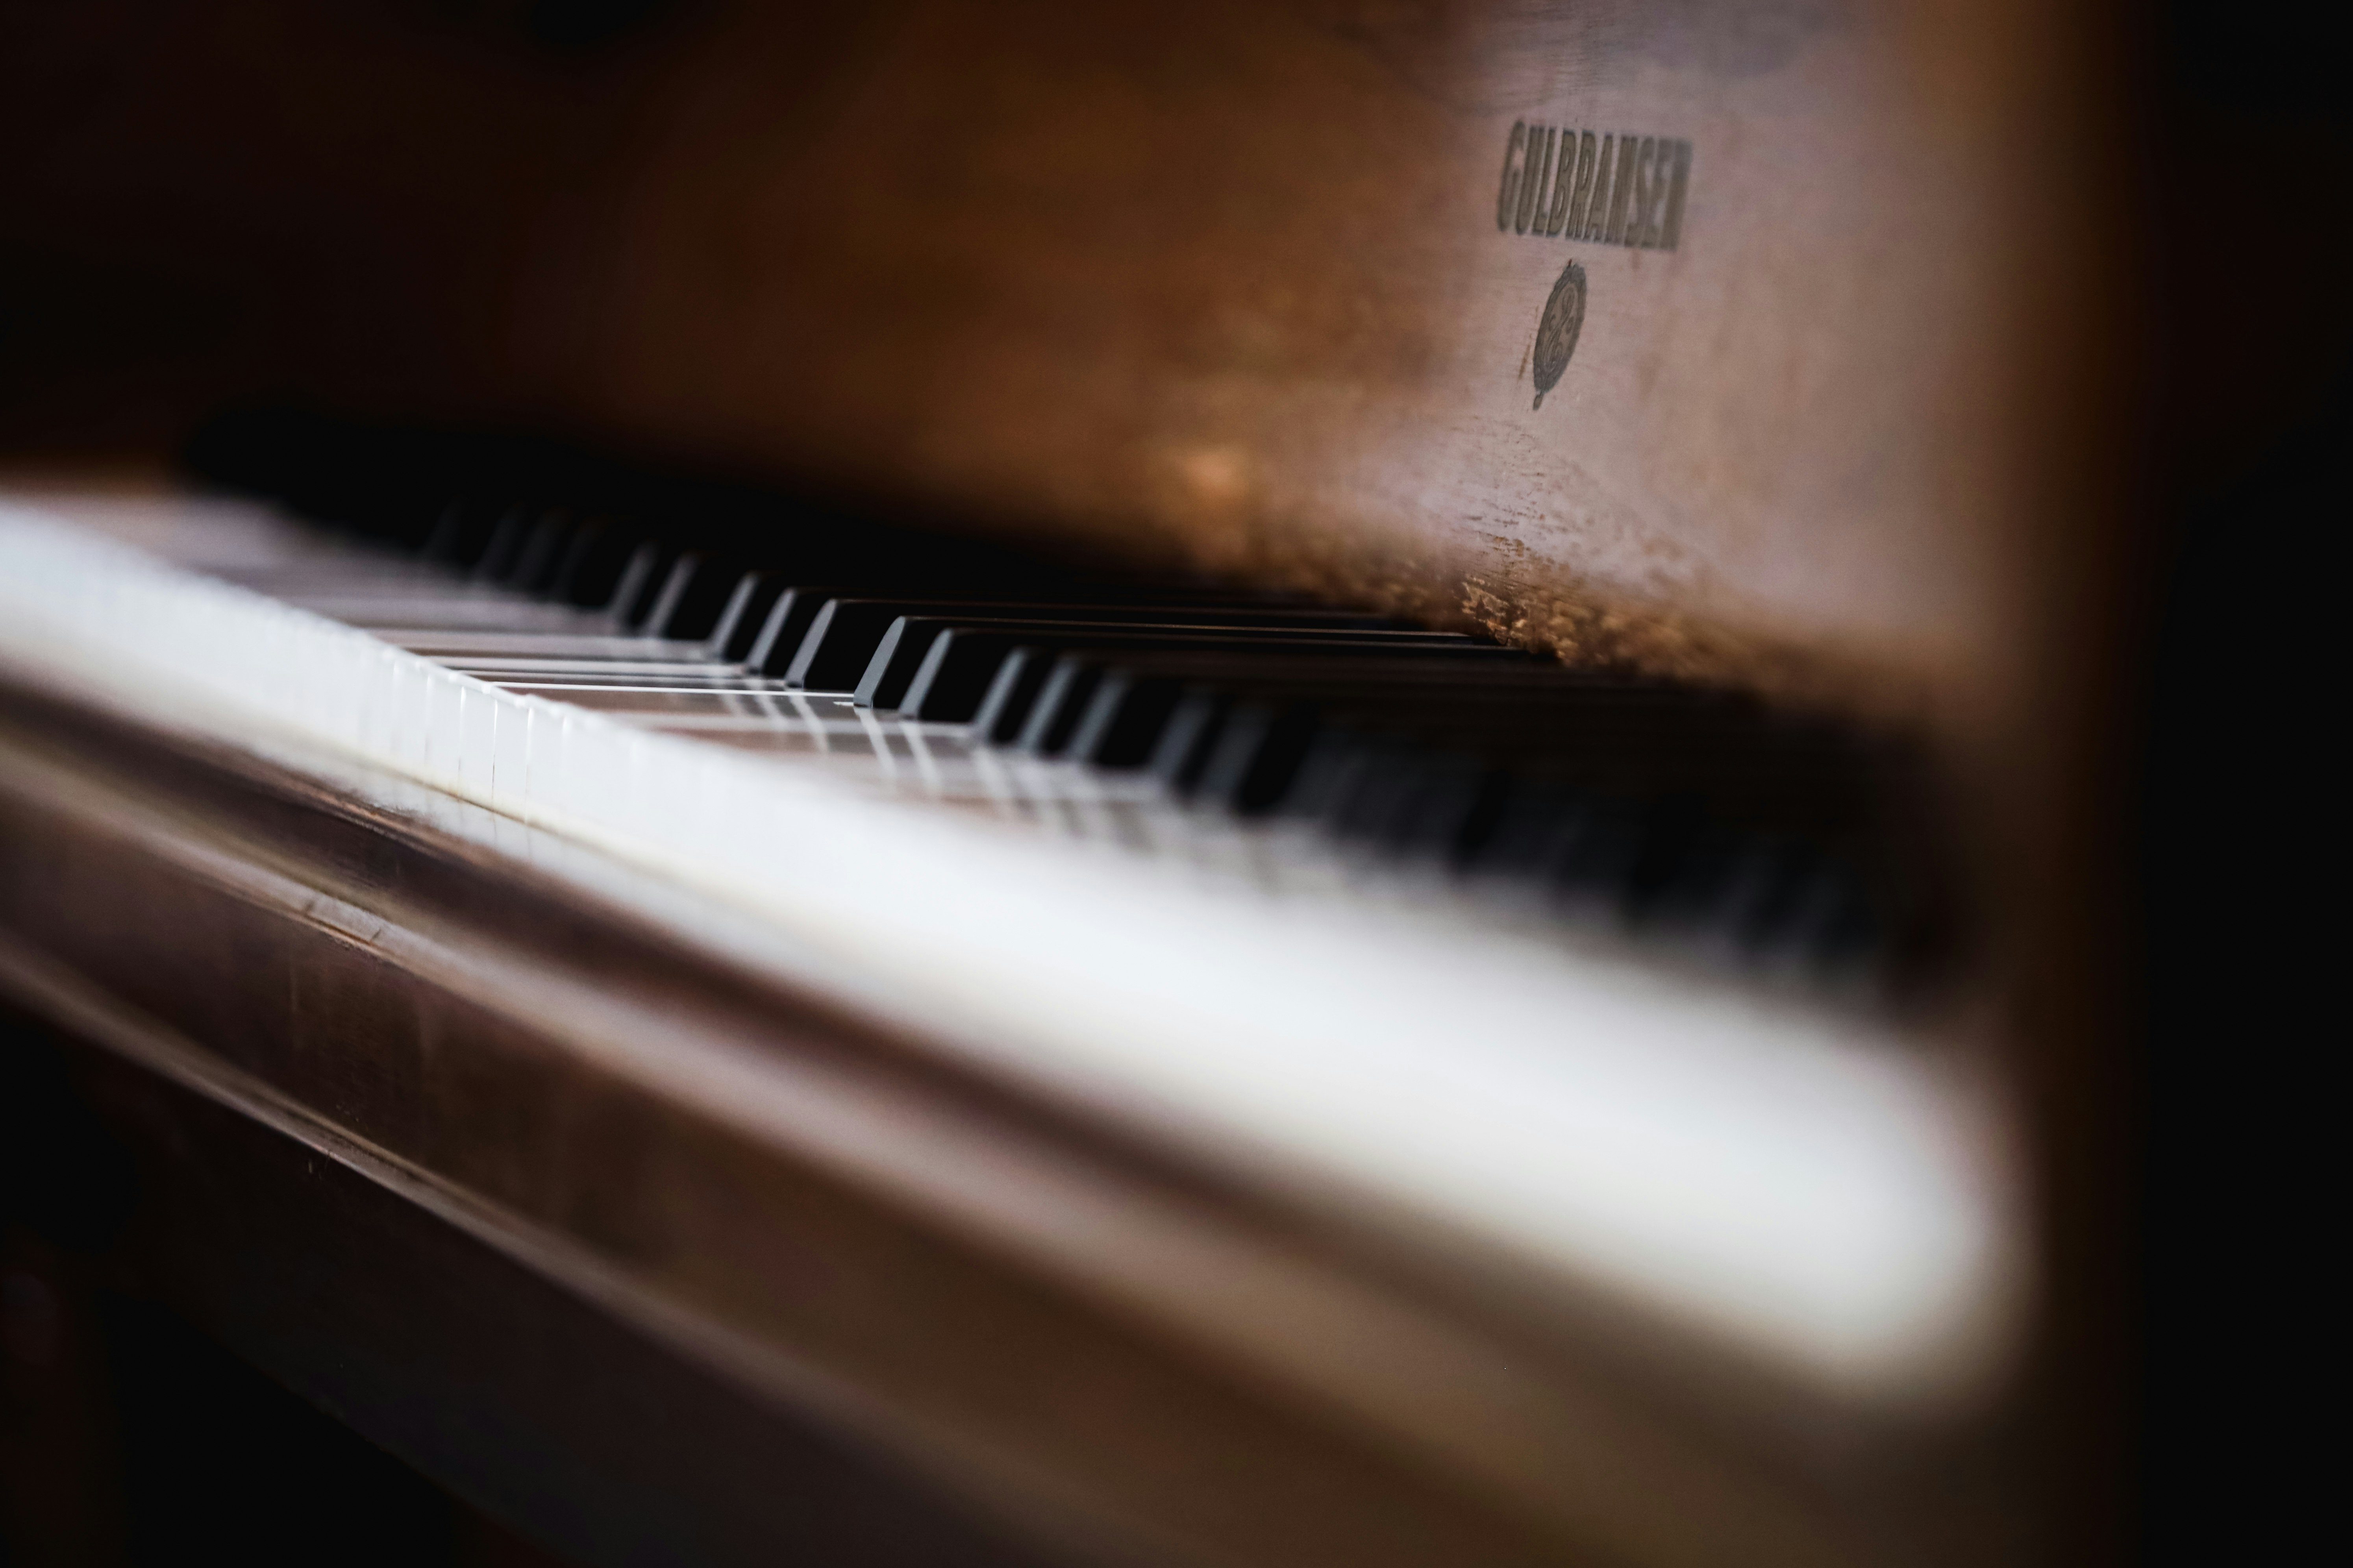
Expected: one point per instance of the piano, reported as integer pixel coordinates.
(1199, 786)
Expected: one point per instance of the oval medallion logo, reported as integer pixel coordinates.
(1564, 315)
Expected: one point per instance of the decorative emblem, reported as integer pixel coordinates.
(1564, 315)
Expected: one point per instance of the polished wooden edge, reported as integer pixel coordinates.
(1041, 1373)
(519, 1372)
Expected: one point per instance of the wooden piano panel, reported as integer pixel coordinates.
(1233, 278)
(1225, 279)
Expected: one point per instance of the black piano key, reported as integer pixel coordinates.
(459, 536)
(905, 653)
(1444, 793)
(1378, 778)
(1667, 861)
(1523, 821)
(1580, 846)
(1602, 732)
(1012, 690)
(692, 598)
(905, 675)
(1095, 695)
(1450, 811)
(590, 553)
(1256, 755)
(842, 644)
(1010, 706)
(1062, 701)
(1182, 746)
(1191, 725)
(1123, 719)
(1822, 917)
(964, 676)
(835, 653)
(957, 670)
(1399, 795)
(1353, 773)
(741, 619)
(542, 555)
(1430, 799)
(1847, 929)
(1593, 858)
(787, 627)
(641, 582)
(1766, 894)
(793, 611)
(508, 536)
(1328, 772)
(1691, 838)
(1212, 686)
(1042, 716)
(923, 671)
(1684, 867)
(674, 584)
(610, 568)
(1158, 715)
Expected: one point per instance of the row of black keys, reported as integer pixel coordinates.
(1672, 807)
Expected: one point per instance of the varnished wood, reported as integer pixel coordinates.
(1225, 282)
(518, 1068)
(500, 1384)
(1224, 279)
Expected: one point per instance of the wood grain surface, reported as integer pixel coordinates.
(1221, 280)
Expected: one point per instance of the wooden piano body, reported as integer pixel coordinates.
(1788, 345)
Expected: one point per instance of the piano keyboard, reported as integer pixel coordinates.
(1685, 817)
(1587, 974)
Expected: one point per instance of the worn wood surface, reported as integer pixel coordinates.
(1221, 280)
